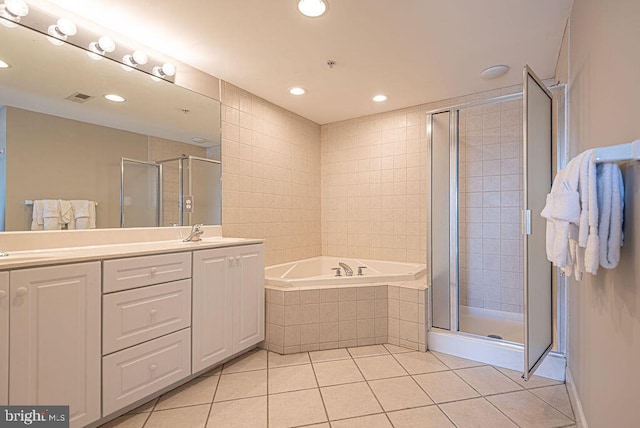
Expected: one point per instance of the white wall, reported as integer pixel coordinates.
(604, 311)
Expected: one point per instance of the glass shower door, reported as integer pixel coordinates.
(139, 193)
(202, 181)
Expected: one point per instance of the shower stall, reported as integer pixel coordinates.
(494, 296)
(173, 192)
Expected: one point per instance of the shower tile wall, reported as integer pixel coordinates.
(490, 184)
(270, 176)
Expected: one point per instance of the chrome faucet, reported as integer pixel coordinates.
(195, 235)
(3, 254)
(347, 270)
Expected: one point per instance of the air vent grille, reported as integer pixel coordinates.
(79, 97)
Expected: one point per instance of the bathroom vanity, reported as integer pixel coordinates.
(103, 328)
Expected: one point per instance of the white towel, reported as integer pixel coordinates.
(37, 222)
(66, 212)
(51, 214)
(611, 206)
(84, 214)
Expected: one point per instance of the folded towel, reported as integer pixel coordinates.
(37, 222)
(51, 214)
(611, 206)
(66, 211)
(84, 214)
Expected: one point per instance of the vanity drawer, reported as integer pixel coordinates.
(132, 374)
(135, 316)
(123, 274)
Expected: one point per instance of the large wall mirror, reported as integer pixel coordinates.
(136, 161)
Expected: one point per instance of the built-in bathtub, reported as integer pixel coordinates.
(309, 308)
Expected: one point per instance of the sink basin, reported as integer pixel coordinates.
(220, 239)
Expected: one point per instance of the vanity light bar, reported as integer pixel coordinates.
(98, 46)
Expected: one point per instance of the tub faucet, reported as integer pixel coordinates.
(195, 235)
(347, 270)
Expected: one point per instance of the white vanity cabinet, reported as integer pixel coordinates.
(4, 338)
(54, 338)
(228, 302)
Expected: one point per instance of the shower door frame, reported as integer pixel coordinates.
(558, 159)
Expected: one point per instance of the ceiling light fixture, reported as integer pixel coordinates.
(380, 98)
(102, 46)
(296, 90)
(313, 8)
(4, 64)
(494, 71)
(199, 140)
(167, 70)
(13, 10)
(115, 98)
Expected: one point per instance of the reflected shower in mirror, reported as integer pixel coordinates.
(61, 139)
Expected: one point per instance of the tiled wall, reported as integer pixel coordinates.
(490, 183)
(270, 176)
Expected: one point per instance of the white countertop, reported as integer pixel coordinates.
(54, 256)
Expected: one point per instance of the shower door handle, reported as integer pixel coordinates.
(526, 222)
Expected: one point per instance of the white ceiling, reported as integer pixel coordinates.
(414, 51)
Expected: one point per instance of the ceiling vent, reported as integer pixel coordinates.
(79, 97)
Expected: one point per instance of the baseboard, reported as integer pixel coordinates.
(581, 420)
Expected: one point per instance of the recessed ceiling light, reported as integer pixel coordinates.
(380, 98)
(115, 98)
(4, 64)
(313, 8)
(297, 91)
(494, 71)
(199, 140)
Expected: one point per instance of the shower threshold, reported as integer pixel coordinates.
(491, 323)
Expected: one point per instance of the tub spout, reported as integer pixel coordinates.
(347, 270)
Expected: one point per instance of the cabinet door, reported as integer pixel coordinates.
(248, 296)
(55, 339)
(4, 338)
(211, 313)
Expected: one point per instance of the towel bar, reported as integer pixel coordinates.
(30, 202)
(619, 153)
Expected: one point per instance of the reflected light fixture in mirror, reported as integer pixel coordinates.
(380, 98)
(4, 65)
(166, 70)
(102, 46)
(297, 91)
(115, 98)
(138, 57)
(313, 8)
(61, 30)
(13, 10)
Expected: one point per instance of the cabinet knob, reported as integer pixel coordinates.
(22, 291)
(154, 270)
(154, 312)
(3, 294)
(153, 367)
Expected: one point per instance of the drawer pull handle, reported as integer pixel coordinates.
(22, 291)
(153, 367)
(154, 270)
(154, 312)
(3, 294)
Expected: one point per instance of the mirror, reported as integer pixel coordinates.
(60, 138)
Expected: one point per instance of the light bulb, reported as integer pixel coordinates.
(14, 9)
(62, 29)
(4, 64)
(103, 45)
(167, 69)
(137, 58)
(312, 8)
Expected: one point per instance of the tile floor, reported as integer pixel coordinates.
(369, 386)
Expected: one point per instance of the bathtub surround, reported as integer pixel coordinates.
(330, 317)
(270, 176)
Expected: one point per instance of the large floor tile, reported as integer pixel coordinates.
(476, 413)
(292, 378)
(245, 413)
(296, 408)
(145, 408)
(534, 382)
(445, 386)
(421, 417)
(556, 396)
(487, 380)
(130, 420)
(368, 351)
(394, 349)
(277, 360)
(399, 393)
(380, 367)
(184, 417)
(329, 355)
(528, 411)
(454, 362)
(242, 385)
(420, 362)
(213, 372)
(253, 360)
(337, 372)
(198, 391)
(349, 401)
(371, 421)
